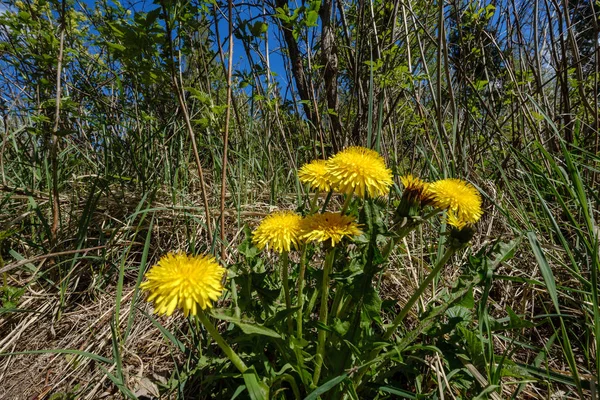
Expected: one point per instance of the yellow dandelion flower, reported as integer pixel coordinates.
(412, 183)
(414, 196)
(416, 188)
(278, 231)
(329, 226)
(461, 231)
(454, 220)
(458, 196)
(185, 282)
(359, 170)
(315, 174)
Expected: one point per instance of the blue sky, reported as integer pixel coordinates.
(240, 60)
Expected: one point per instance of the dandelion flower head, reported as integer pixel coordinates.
(186, 282)
(458, 196)
(413, 183)
(279, 231)
(454, 221)
(461, 232)
(329, 226)
(415, 188)
(413, 197)
(315, 174)
(359, 170)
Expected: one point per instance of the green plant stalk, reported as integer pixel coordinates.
(313, 203)
(286, 288)
(323, 315)
(300, 300)
(335, 310)
(419, 292)
(411, 302)
(347, 202)
(402, 232)
(232, 355)
(311, 303)
(326, 202)
(343, 310)
(234, 296)
(300, 317)
(200, 352)
(289, 379)
(337, 301)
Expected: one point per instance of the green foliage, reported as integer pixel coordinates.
(9, 297)
(361, 355)
(504, 95)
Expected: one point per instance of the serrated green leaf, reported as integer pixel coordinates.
(246, 327)
(473, 346)
(340, 327)
(517, 322)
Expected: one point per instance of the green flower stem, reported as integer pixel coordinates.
(416, 295)
(337, 301)
(286, 287)
(343, 310)
(200, 352)
(387, 249)
(323, 314)
(313, 203)
(232, 355)
(335, 310)
(411, 302)
(311, 303)
(401, 234)
(326, 203)
(234, 296)
(299, 316)
(403, 231)
(347, 202)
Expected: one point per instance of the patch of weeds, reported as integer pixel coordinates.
(10, 296)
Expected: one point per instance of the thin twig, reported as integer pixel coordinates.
(188, 123)
(17, 264)
(226, 137)
(54, 137)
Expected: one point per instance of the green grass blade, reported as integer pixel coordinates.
(142, 268)
(327, 386)
(552, 292)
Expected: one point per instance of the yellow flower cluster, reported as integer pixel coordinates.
(191, 283)
(460, 198)
(355, 170)
(281, 231)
